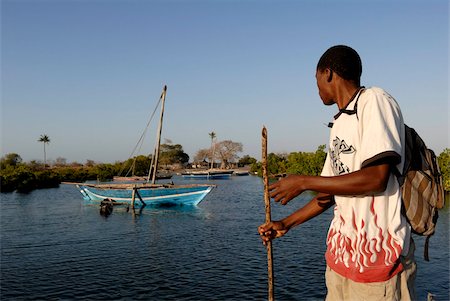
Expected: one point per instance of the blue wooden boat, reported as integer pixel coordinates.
(148, 194)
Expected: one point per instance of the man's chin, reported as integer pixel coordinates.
(328, 102)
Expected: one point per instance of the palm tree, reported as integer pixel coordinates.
(212, 135)
(46, 140)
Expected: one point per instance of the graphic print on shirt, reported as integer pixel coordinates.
(340, 147)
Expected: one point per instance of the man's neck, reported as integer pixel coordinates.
(345, 93)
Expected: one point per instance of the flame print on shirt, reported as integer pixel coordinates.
(340, 147)
(358, 250)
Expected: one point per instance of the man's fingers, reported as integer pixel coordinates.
(268, 235)
(262, 229)
(266, 231)
(279, 197)
(273, 186)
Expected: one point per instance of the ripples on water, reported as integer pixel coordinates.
(53, 247)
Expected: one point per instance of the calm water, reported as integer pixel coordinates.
(53, 247)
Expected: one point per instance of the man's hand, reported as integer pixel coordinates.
(272, 230)
(286, 188)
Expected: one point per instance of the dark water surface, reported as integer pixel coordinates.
(53, 247)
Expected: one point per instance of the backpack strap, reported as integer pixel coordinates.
(425, 248)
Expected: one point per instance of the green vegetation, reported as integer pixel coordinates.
(444, 165)
(137, 166)
(15, 175)
(172, 154)
(246, 160)
(24, 177)
(306, 163)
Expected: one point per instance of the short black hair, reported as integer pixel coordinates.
(343, 60)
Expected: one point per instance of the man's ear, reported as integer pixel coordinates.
(330, 75)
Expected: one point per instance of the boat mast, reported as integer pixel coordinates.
(158, 139)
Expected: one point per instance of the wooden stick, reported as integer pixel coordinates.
(268, 215)
(133, 196)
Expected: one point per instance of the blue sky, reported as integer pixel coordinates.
(88, 73)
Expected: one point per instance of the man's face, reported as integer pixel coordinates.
(324, 86)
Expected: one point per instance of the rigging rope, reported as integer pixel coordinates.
(140, 142)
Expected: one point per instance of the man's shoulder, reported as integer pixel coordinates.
(373, 91)
(379, 94)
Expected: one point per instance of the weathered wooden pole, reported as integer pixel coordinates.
(133, 197)
(158, 138)
(268, 215)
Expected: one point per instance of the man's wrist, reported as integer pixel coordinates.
(288, 222)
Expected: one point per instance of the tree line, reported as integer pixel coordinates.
(23, 177)
(306, 163)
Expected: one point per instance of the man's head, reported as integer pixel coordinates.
(339, 60)
(342, 60)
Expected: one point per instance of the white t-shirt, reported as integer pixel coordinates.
(368, 233)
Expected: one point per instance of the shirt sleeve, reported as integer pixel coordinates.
(327, 170)
(380, 123)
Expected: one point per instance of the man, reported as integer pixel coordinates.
(370, 255)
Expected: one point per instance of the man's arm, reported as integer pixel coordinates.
(276, 229)
(369, 180)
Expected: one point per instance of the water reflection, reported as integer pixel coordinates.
(153, 211)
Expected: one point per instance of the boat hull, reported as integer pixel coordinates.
(208, 174)
(241, 173)
(155, 196)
